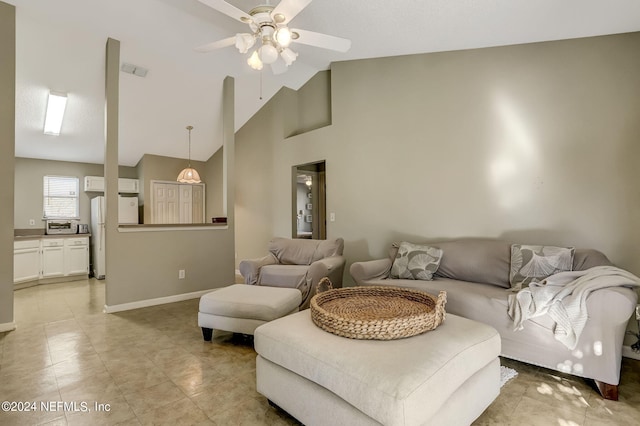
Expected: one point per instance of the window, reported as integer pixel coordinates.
(61, 197)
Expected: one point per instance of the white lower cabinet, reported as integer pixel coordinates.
(53, 258)
(46, 258)
(76, 256)
(26, 261)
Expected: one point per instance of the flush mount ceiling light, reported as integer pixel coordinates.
(189, 175)
(270, 31)
(56, 105)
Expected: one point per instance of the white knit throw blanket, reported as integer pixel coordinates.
(564, 297)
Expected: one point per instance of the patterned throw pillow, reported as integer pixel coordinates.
(535, 263)
(416, 262)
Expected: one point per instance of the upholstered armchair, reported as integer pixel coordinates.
(297, 263)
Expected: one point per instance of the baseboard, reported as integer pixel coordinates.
(7, 326)
(109, 309)
(629, 353)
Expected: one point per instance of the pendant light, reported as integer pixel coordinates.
(189, 175)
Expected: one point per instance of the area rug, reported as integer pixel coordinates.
(506, 374)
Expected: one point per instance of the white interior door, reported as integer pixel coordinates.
(166, 198)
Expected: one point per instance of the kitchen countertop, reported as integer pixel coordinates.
(35, 234)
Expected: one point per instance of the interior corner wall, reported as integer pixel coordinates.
(7, 146)
(534, 143)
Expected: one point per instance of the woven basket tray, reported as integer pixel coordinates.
(377, 313)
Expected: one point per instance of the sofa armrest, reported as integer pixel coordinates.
(331, 267)
(250, 268)
(369, 270)
(612, 305)
(326, 268)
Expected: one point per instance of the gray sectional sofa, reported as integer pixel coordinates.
(475, 275)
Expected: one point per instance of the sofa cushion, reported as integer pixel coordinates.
(293, 251)
(584, 259)
(250, 302)
(282, 275)
(328, 248)
(479, 260)
(531, 263)
(416, 262)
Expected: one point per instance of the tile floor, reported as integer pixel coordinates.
(151, 366)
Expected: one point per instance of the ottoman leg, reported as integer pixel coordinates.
(207, 333)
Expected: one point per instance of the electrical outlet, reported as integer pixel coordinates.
(181, 274)
(638, 312)
(32, 222)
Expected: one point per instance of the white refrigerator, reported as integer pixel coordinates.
(127, 214)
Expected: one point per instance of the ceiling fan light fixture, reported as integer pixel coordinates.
(289, 56)
(268, 53)
(254, 61)
(244, 42)
(283, 36)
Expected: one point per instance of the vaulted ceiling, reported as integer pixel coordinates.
(60, 46)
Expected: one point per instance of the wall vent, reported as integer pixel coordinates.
(134, 69)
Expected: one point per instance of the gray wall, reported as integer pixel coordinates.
(7, 147)
(144, 265)
(213, 170)
(534, 143)
(312, 108)
(29, 174)
(157, 167)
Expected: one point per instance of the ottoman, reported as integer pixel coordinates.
(447, 376)
(241, 308)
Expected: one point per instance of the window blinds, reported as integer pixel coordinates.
(61, 197)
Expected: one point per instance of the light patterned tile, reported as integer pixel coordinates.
(154, 397)
(138, 380)
(153, 365)
(112, 412)
(181, 412)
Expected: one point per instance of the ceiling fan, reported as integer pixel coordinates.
(271, 33)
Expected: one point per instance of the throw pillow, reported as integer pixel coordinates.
(416, 262)
(535, 263)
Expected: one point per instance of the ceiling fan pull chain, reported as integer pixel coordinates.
(260, 84)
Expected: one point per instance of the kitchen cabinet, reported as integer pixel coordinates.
(26, 261)
(76, 256)
(125, 186)
(52, 258)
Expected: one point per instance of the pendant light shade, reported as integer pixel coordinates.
(189, 175)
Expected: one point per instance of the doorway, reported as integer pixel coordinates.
(309, 216)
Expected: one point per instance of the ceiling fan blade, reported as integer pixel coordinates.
(278, 67)
(228, 9)
(209, 47)
(324, 41)
(289, 9)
